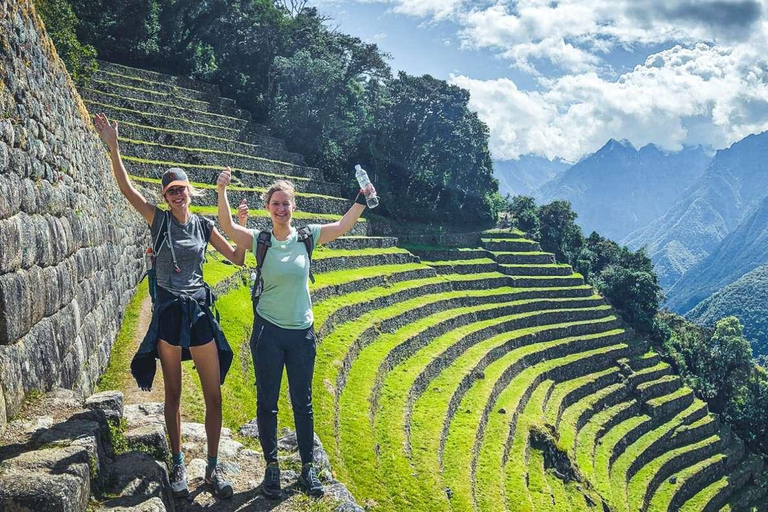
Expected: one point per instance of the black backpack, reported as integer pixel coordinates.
(163, 239)
(263, 243)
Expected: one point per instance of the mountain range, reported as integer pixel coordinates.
(703, 220)
(619, 189)
(524, 176)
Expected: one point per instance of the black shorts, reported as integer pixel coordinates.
(170, 326)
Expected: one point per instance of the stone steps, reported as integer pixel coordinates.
(524, 258)
(716, 495)
(137, 116)
(464, 266)
(225, 108)
(439, 254)
(161, 78)
(263, 222)
(243, 178)
(500, 442)
(665, 385)
(306, 203)
(338, 260)
(163, 109)
(273, 149)
(616, 458)
(328, 285)
(204, 157)
(203, 92)
(536, 270)
(510, 245)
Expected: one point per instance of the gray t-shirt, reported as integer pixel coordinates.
(189, 243)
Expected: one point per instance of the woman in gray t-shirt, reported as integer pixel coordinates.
(183, 326)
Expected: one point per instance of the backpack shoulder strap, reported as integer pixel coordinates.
(160, 240)
(263, 243)
(305, 234)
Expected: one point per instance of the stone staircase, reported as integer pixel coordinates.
(167, 121)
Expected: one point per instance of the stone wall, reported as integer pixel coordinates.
(70, 244)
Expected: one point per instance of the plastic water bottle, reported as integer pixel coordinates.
(363, 181)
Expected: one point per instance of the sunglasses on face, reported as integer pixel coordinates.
(174, 191)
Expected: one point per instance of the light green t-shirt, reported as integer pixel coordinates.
(285, 299)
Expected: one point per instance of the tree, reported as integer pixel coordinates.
(559, 232)
(61, 24)
(432, 153)
(724, 363)
(525, 214)
(635, 293)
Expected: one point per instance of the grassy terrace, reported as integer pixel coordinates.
(494, 433)
(209, 151)
(149, 84)
(357, 405)
(166, 164)
(436, 432)
(211, 186)
(138, 103)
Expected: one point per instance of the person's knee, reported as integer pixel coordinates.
(213, 399)
(302, 407)
(173, 394)
(266, 407)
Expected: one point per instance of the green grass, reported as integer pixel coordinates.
(586, 440)
(118, 370)
(355, 417)
(465, 434)
(338, 277)
(568, 426)
(456, 263)
(325, 252)
(517, 240)
(662, 498)
(390, 419)
(146, 91)
(149, 82)
(430, 410)
(638, 490)
(616, 482)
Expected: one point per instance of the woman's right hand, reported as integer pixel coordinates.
(225, 178)
(107, 131)
(242, 213)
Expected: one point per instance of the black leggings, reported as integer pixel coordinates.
(273, 347)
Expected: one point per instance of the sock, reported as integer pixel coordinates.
(212, 461)
(178, 458)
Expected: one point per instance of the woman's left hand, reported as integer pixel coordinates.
(369, 190)
(242, 213)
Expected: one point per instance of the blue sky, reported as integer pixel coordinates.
(558, 78)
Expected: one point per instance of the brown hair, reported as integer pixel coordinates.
(282, 186)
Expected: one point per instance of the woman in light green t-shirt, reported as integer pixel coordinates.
(283, 333)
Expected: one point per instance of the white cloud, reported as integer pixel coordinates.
(574, 35)
(711, 95)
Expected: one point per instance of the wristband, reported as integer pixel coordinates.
(360, 199)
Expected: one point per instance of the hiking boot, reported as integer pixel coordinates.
(178, 478)
(270, 487)
(310, 482)
(218, 481)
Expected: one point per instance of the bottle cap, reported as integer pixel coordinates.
(149, 250)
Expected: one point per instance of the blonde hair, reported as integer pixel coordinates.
(281, 186)
(193, 192)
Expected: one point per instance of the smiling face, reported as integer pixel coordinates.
(178, 197)
(280, 207)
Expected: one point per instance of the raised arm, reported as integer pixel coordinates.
(332, 231)
(242, 236)
(108, 133)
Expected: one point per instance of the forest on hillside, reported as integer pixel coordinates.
(331, 96)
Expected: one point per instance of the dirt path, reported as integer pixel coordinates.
(134, 395)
